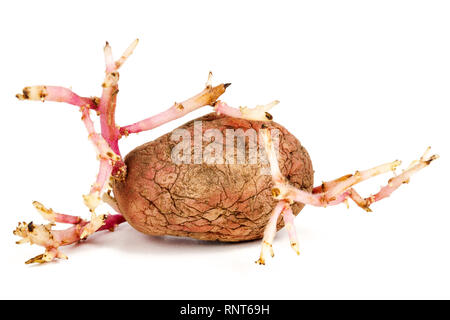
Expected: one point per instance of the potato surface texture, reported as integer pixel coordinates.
(225, 202)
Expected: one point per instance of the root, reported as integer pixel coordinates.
(270, 231)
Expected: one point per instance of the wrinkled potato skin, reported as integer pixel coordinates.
(206, 201)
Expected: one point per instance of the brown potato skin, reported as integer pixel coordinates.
(206, 201)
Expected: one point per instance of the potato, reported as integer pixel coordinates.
(225, 202)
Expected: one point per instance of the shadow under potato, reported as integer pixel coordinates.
(128, 240)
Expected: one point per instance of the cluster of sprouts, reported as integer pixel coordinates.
(327, 194)
(106, 144)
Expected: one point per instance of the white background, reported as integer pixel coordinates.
(360, 83)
